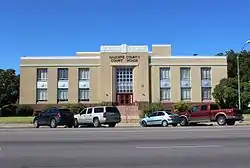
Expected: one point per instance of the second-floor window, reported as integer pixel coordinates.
(185, 73)
(83, 74)
(63, 74)
(42, 74)
(206, 73)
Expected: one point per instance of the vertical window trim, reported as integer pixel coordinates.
(167, 77)
(207, 71)
(182, 76)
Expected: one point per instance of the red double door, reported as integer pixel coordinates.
(124, 99)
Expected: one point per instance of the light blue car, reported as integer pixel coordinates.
(160, 118)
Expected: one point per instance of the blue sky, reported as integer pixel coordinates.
(63, 27)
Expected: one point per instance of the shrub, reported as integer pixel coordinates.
(148, 109)
(181, 106)
(24, 110)
(8, 110)
(74, 108)
(49, 106)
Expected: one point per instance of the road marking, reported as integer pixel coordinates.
(176, 147)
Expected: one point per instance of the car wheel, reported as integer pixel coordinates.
(112, 125)
(174, 125)
(183, 121)
(221, 120)
(76, 124)
(53, 123)
(35, 123)
(230, 122)
(143, 124)
(164, 123)
(96, 122)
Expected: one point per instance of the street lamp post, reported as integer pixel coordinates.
(238, 73)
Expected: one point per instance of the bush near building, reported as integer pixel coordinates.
(16, 110)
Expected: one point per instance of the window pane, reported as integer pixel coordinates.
(84, 94)
(63, 94)
(63, 74)
(164, 73)
(42, 94)
(42, 74)
(98, 110)
(205, 73)
(185, 73)
(206, 94)
(84, 74)
(186, 93)
(165, 94)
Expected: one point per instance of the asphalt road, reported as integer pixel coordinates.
(196, 147)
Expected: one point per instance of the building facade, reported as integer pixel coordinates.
(120, 74)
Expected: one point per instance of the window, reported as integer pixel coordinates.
(164, 73)
(185, 84)
(153, 114)
(83, 74)
(185, 73)
(206, 73)
(42, 95)
(214, 107)
(84, 94)
(204, 107)
(112, 110)
(206, 93)
(161, 113)
(165, 84)
(165, 94)
(98, 110)
(63, 74)
(62, 95)
(42, 74)
(89, 111)
(124, 80)
(83, 111)
(195, 109)
(185, 93)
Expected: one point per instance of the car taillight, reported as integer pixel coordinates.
(58, 115)
(104, 115)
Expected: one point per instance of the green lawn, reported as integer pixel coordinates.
(16, 120)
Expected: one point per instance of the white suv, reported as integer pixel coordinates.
(96, 116)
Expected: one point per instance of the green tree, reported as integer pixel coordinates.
(226, 93)
(9, 87)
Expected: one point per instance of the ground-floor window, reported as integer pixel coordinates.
(206, 93)
(165, 94)
(42, 95)
(62, 95)
(84, 94)
(185, 93)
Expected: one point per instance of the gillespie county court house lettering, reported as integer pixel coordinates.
(122, 57)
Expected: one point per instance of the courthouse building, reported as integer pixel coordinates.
(122, 74)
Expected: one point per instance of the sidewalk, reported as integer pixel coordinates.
(118, 125)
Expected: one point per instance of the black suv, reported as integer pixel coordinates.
(54, 117)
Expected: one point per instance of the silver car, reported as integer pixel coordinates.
(97, 116)
(163, 118)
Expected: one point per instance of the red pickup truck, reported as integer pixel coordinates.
(210, 113)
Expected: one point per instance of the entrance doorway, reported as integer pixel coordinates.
(124, 85)
(124, 99)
